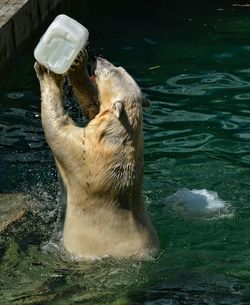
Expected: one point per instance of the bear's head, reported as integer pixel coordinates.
(118, 91)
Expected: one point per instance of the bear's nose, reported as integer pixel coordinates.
(101, 59)
(103, 62)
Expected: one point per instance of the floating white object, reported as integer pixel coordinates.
(61, 43)
(199, 203)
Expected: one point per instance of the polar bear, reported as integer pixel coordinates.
(102, 164)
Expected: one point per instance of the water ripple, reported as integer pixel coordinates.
(15, 95)
(21, 136)
(200, 84)
(183, 144)
(242, 96)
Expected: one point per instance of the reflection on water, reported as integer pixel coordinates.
(200, 84)
(15, 95)
(196, 291)
(197, 133)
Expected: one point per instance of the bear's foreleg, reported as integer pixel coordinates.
(58, 126)
(84, 89)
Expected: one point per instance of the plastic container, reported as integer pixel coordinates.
(60, 44)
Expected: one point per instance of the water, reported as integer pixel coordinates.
(195, 69)
(198, 203)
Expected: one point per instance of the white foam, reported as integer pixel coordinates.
(199, 203)
(56, 247)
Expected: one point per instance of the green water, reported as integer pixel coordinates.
(195, 69)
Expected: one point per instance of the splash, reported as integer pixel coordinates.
(198, 203)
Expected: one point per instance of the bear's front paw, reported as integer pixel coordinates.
(40, 70)
(44, 74)
(80, 63)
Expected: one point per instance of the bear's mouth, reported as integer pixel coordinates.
(91, 70)
(93, 79)
(93, 67)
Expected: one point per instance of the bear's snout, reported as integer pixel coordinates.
(103, 66)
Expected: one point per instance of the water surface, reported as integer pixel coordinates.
(195, 69)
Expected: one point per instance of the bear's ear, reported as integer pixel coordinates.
(118, 107)
(145, 102)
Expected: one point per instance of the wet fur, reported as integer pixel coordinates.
(101, 165)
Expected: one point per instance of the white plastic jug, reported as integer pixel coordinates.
(60, 44)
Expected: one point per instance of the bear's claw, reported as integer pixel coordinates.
(39, 69)
(43, 73)
(80, 62)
